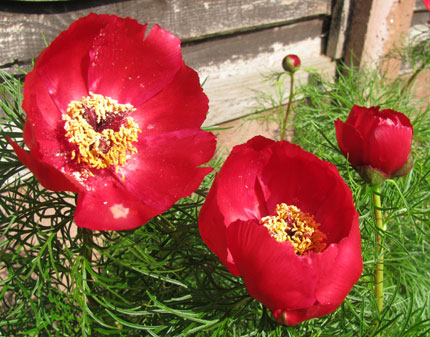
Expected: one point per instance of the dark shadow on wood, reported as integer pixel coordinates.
(49, 7)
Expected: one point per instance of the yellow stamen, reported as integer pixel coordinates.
(297, 227)
(105, 147)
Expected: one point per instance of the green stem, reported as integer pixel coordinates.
(379, 267)
(411, 79)
(287, 112)
(87, 243)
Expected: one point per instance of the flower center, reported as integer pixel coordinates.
(298, 227)
(103, 135)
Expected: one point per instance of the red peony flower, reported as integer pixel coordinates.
(377, 143)
(115, 116)
(285, 221)
(291, 63)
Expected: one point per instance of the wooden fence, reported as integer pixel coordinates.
(231, 43)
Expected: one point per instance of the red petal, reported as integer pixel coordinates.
(112, 208)
(427, 4)
(396, 117)
(129, 68)
(363, 119)
(293, 317)
(48, 177)
(165, 168)
(213, 229)
(180, 105)
(350, 142)
(296, 177)
(63, 66)
(237, 197)
(389, 147)
(29, 137)
(60, 69)
(39, 107)
(44, 129)
(340, 266)
(273, 273)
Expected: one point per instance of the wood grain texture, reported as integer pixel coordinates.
(235, 69)
(419, 5)
(23, 27)
(338, 28)
(420, 18)
(231, 43)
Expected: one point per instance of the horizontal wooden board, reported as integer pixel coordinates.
(24, 27)
(244, 46)
(419, 5)
(420, 18)
(234, 69)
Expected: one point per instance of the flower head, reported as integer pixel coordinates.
(284, 221)
(376, 142)
(291, 63)
(115, 116)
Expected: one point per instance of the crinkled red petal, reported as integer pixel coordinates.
(298, 178)
(112, 208)
(180, 105)
(129, 68)
(63, 66)
(363, 119)
(213, 229)
(339, 267)
(43, 123)
(293, 317)
(48, 176)
(273, 273)
(166, 166)
(351, 143)
(58, 77)
(389, 147)
(237, 195)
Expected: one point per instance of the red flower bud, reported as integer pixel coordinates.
(291, 63)
(377, 143)
(266, 194)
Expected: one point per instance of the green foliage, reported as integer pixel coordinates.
(405, 203)
(161, 279)
(59, 280)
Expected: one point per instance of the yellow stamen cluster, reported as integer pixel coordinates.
(297, 227)
(105, 148)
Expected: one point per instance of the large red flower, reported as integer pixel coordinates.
(285, 221)
(115, 116)
(376, 142)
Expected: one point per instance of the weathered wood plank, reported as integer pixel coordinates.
(376, 27)
(233, 67)
(420, 18)
(338, 28)
(247, 45)
(24, 27)
(419, 5)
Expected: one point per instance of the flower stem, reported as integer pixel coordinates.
(287, 112)
(379, 267)
(411, 79)
(87, 243)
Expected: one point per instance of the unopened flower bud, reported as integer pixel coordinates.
(291, 63)
(376, 142)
